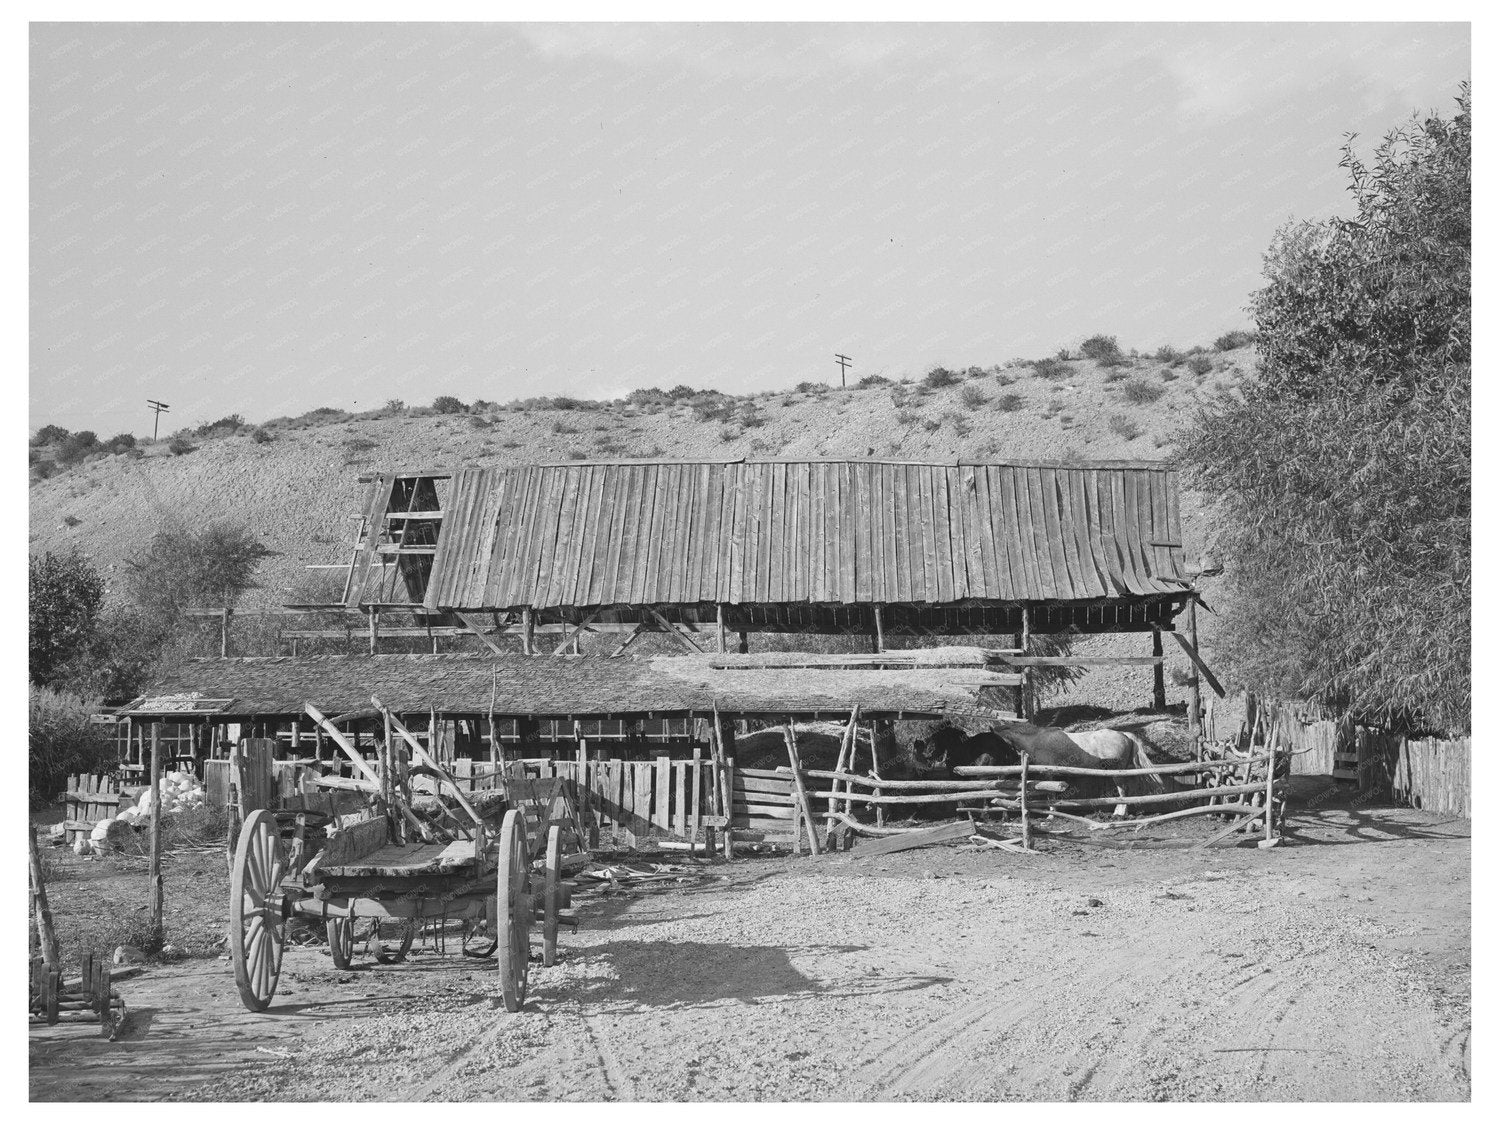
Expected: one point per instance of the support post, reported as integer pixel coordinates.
(1195, 699)
(1158, 674)
(528, 631)
(224, 633)
(875, 771)
(374, 615)
(722, 637)
(1025, 811)
(1025, 671)
(154, 871)
(744, 642)
(879, 629)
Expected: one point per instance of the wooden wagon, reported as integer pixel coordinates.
(383, 866)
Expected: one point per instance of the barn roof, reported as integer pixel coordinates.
(560, 688)
(818, 531)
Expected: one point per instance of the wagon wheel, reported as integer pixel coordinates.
(341, 941)
(552, 896)
(513, 909)
(257, 930)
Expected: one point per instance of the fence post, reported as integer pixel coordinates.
(156, 818)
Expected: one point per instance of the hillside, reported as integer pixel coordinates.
(297, 490)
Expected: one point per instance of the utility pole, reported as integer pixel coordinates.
(160, 408)
(844, 364)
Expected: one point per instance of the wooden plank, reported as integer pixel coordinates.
(891, 844)
(696, 824)
(680, 804)
(782, 784)
(765, 811)
(1202, 667)
(752, 796)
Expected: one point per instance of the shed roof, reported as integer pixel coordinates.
(560, 688)
(819, 531)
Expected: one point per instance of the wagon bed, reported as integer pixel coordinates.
(409, 860)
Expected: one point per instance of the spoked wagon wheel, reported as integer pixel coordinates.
(257, 931)
(394, 951)
(513, 909)
(552, 896)
(341, 941)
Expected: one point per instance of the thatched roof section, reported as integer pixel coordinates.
(265, 686)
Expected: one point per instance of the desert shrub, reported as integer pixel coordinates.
(959, 423)
(577, 455)
(872, 380)
(1009, 402)
(1004, 379)
(749, 417)
(394, 406)
(728, 433)
(1049, 368)
(811, 388)
(1141, 392)
(62, 740)
(1341, 479)
(932, 425)
(1066, 419)
(180, 445)
(973, 396)
(1166, 353)
(1113, 375)
(1230, 341)
(1168, 375)
(225, 425)
(1199, 365)
(563, 428)
(610, 447)
(1124, 427)
(907, 417)
(939, 377)
(447, 404)
(71, 520)
(76, 446)
(1104, 350)
(261, 435)
(50, 435)
(120, 442)
(1064, 355)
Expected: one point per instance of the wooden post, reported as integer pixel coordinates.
(879, 629)
(802, 805)
(1271, 796)
(432, 733)
(722, 637)
(224, 633)
(1025, 812)
(46, 934)
(875, 772)
(154, 871)
(845, 760)
(744, 642)
(528, 631)
(374, 629)
(1158, 674)
(1195, 701)
(1025, 671)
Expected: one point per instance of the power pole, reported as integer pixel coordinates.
(160, 408)
(844, 364)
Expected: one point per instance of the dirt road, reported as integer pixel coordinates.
(1334, 968)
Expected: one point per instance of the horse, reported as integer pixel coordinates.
(1046, 745)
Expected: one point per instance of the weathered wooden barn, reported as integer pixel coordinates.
(703, 549)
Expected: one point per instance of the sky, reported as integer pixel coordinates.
(263, 219)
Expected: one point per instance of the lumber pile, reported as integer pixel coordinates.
(87, 998)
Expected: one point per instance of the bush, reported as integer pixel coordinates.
(1049, 368)
(1104, 350)
(50, 435)
(1230, 341)
(1124, 427)
(1168, 375)
(394, 406)
(1166, 353)
(1200, 366)
(229, 424)
(1342, 479)
(872, 380)
(1141, 392)
(62, 741)
(261, 435)
(64, 596)
(973, 396)
(1009, 402)
(939, 377)
(182, 568)
(907, 417)
(180, 446)
(76, 446)
(447, 404)
(811, 388)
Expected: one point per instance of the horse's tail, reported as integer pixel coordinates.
(1143, 761)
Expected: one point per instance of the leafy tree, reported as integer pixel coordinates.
(183, 568)
(65, 595)
(50, 435)
(1342, 481)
